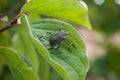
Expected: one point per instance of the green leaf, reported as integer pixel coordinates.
(70, 64)
(30, 54)
(4, 36)
(69, 10)
(43, 69)
(3, 5)
(2, 63)
(17, 44)
(19, 69)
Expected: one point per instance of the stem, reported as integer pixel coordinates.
(11, 24)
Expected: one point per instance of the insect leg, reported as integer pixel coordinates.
(39, 37)
(61, 27)
(70, 43)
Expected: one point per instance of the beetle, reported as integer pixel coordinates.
(56, 38)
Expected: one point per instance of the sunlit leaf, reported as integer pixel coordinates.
(69, 10)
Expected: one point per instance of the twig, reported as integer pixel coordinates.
(11, 24)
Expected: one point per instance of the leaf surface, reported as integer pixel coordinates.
(30, 55)
(19, 69)
(71, 64)
(69, 10)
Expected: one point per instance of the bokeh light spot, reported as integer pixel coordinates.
(117, 2)
(99, 2)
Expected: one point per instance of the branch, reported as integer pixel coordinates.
(11, 24)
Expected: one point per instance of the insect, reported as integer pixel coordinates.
(57, 38)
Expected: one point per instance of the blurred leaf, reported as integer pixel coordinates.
(70, 64)
(28, 48)
(43, 69)
(4, 41)
(19, 69)
(33, 17)
(113, 58)
(105, 17)
(107, 66)
(70, 10)
(3, 5)
(1, 63)
(10, 7)
(4, 36)
(99, 67)
(17, 44)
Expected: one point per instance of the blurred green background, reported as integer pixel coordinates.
(102, 42)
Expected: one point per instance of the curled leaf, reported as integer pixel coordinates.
(71, 64)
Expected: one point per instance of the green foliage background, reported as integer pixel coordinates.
(104, 19)
(27, 56)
